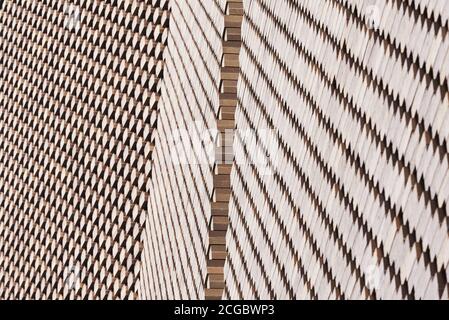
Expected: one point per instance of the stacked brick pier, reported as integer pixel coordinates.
(224, 157)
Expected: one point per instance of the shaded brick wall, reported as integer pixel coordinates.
(77, 109)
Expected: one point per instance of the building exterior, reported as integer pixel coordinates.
(224, 149)
(356, 203)
(78, 108)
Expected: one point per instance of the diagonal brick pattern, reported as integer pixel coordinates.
(355, 202)
(235, 149)
(78, 104)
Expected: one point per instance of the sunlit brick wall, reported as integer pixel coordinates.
(164, 149)
(350, 200)
(77, 111)
(177, 228)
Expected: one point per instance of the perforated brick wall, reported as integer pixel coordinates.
(207, 149)
(354, 204)
(78, 101)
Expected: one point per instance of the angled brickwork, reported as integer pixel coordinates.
(78, 101)
(355, 203)
(236, 149)
(185, 232)
(174, 263)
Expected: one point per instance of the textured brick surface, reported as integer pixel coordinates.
(176, 231)
(206, 149)
(355, 205)
(77, 109)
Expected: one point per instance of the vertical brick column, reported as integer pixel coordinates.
(225, 127)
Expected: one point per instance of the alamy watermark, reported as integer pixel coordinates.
(373, 277)
(72, 19)
(72, 278)
(198, 145)
(373, 15)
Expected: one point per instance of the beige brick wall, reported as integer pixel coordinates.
(78, 89)
(355, 203)
(204, 149)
